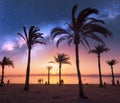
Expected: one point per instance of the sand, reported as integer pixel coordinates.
(14, 93)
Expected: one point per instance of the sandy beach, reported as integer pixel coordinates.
(14, 93)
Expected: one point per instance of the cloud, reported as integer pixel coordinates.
(20, 42)
(8, 46)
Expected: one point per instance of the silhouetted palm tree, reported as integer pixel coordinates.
(111, 63)
(99, 49)
(61, 58)
(82, 27)
(31, 38)
(49, 68)
(5, 62)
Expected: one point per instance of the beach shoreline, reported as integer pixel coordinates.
(67, 93)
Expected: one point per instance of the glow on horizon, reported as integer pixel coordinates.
(39, 62)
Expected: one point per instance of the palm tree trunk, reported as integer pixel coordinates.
(48, 76)
(99, 67)
(28, 71)
(2, 78)
(60, 74)
(81, 93)
(113, 81)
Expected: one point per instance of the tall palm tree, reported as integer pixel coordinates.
(82, 27)
(5, 62)
(61, 58)
(99, 49)
(111, 63)
(31, 38)
(49, 68)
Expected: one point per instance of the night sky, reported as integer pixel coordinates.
(47, 14)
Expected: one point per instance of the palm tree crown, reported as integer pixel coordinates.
(99, 49)
(112, 62)
(62, 58)
(6, 62)
(82, 27)
(32, 37)
(49, 67)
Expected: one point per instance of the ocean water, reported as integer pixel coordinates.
(54, 79)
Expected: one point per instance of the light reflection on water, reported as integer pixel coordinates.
(54, 79)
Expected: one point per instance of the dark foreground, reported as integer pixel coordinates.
(54, 94)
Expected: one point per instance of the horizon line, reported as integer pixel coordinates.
(89, 75)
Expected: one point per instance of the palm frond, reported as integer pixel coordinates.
(86, 42)
(70, 41)
(37, 36)
(56, 59)
(32, 37)
(95, 37)
(51, 62)
(7, 62)
(112, 62)
(97, 28)
(73, 15)
(93, 51)
(31, 29)
(99, 49)
(84, 14)
(39, 42)
(22, 36)
(66, 62)
(82, 42)
(60, 40)
(62, 58)
(57, 31)
(93, 20)
(70, 26)
(25, 32)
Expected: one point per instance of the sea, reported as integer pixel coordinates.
(54, 79)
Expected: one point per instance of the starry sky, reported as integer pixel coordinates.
(47, 14)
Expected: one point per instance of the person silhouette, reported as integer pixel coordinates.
(8, 82)
(118, 82)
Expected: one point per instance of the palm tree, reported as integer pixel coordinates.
(111, 63)
(5, 62)
(49, 68)
(99, 49)
(31, 38)
(61, 58)
(81, 28)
